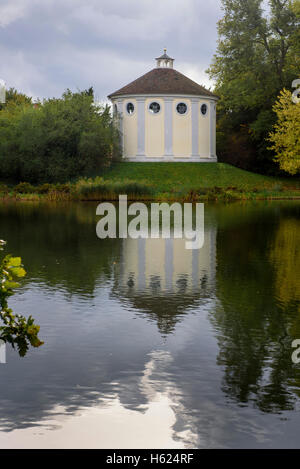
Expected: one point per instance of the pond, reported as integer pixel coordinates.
(151, 345)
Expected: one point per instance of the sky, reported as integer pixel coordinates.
(47, 46)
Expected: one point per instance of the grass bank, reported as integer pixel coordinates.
(164, 181)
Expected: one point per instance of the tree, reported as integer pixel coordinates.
(17, 330)
(286, 134)
(257, 56)
(56, 140)
(14, 98)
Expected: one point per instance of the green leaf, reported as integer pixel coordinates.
(19, 272)
(15, 261)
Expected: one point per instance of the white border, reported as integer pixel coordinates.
(187, 108)
(154, 113)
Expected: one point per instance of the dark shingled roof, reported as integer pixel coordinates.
(163, 80)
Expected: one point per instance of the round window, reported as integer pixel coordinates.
(154, 108)
(181, 108)
(130, 108)
(203, 109)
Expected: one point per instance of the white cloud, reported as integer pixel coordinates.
(11, 11)
(197, 73)
(51, 45)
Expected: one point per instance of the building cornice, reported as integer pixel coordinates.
(168, 96)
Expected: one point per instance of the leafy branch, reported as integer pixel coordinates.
(17, 330)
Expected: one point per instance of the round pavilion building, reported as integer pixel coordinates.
(165, 116)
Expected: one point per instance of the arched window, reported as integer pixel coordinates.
(203, 109)
(130, 108)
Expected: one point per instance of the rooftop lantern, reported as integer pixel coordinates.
(164, 60)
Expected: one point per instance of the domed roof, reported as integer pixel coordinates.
(163, 80)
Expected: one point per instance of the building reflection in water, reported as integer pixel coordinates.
(163, 279)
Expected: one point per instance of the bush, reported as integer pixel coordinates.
(45, 188)
(62, 188)
(57, 196)
(213, 193)
(57, 140)
(4, 189)
(25, 188)
(99, 189)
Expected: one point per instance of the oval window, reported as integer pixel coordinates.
(130, 108)
(154, 108)
(203, 109)
(181, 108)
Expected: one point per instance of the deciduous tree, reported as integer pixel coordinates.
(257, 56)
(286, 134)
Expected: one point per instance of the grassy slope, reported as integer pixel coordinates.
(182, 177)
(169, 181)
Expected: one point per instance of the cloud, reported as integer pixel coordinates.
(10, 12)
(49, 46)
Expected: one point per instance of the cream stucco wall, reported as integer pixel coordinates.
(182, 130)
(167, 135)
(154, 129)
(204, 131)
(130, 129)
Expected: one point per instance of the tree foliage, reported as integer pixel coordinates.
(17, 330)
(286, 134)
(13, 98)
(257, 56)
(56, 140)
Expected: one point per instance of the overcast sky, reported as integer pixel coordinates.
(47, 46)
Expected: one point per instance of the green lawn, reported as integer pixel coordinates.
(179, 178)
(164, 181)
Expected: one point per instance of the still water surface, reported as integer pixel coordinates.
(149, 345)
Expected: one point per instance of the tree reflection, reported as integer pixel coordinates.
(258, 316)
(58, 244)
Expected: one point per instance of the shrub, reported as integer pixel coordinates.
(62, 188)
(99, 189)
(57, 196)
(4, 189)
(25, 188)
(45, 188)
(58, 140)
